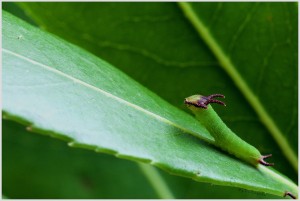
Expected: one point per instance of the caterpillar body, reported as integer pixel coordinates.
(224, 137)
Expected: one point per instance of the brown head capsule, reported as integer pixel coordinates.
(203, 101)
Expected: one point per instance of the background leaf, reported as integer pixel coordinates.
(156, 45)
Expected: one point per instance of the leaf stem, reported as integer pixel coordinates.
(156, 181)
(240, 83)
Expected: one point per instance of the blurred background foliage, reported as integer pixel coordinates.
(164, 53)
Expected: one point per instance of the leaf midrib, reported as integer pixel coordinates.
(227, 65)
(78, 81)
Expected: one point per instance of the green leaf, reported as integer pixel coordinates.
(35, 167)
(38, 167)
(162, 49)
(65, 92)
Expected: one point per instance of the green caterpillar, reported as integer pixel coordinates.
(224, 137)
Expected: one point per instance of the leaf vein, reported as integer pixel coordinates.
(241, 29)
(145, 53)
(75, 80)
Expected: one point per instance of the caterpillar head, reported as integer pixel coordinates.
(203, 101)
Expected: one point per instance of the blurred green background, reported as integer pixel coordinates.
(35, 166)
